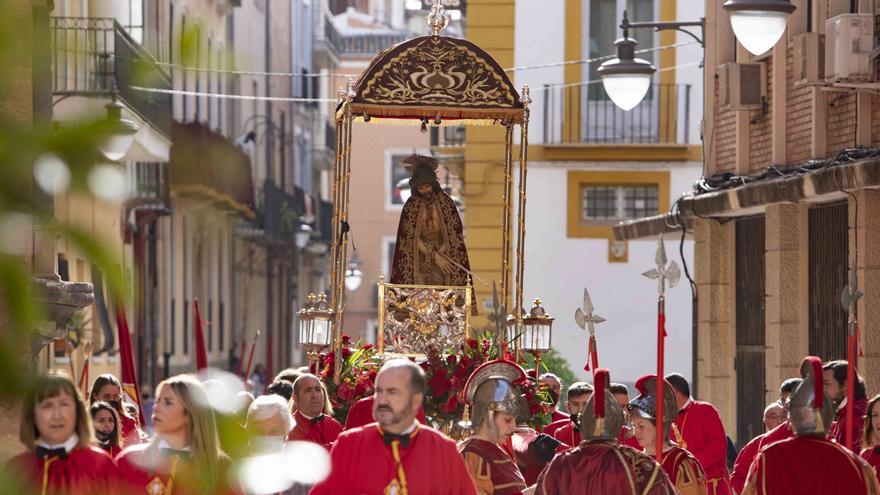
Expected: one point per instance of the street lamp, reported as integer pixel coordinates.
(302, 235)
(122, 132)
(315, 325)
(532, 333)
(353, 275)
(758, 24)
(626, 78)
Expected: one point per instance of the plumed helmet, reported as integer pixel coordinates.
(645, 405)
(493, 387)
(810, 410)
(602, 417)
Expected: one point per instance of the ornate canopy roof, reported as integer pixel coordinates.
(433, 77)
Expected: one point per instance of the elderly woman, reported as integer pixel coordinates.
(268, 423)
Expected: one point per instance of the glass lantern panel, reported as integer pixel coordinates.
(321, 334)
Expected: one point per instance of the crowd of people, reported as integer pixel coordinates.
(287, 440)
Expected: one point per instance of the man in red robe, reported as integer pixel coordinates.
(396, 454)
(809, 462)
(576, 398)
(834, 378)
(361, 414)
(701, 433)
(599, 464)
(683, 469)
(495, 401)
(554, 385)
(774, 415)
(312, 424)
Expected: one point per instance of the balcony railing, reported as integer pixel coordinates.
(584, 114)
(370, 44)
(148, 182)
(94, 56)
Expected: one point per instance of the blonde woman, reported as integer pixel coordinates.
(185, 456)
(56, 429)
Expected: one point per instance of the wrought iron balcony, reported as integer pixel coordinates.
(584, 114)
(148, 182)
(94, 56)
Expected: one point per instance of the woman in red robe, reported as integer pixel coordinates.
(871, 441)
(57, 431)
(108, 388)
(184, 457)
(495, 400)
(680, 465)
(106, 423)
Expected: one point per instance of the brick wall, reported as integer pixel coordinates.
(760, 132)
(841, 121)
(798, 118)
(724, 138)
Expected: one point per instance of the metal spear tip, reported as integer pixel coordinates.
(660, 256)
(673, 274)
(588, 302)
(580, 318)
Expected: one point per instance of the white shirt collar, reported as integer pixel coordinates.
(69, 445)
(411, 428)
(163, 444)
(306, 415)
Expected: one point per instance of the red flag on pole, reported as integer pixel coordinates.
(126, 360)
(201, 350)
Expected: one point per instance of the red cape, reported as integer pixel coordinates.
(490, 468)
(363, 464)
(809, 464)
(703, 433)
(603, 466)
(872, 457)
(781, 432)
(568, 434)
(684, 472)
(837, 431)
(627, 438)
(323, 432)
(140, 465)
(85, 471)
(361, 414)
(555, 425)
(743, 463)
(131, 431)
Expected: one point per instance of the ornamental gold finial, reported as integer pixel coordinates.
(436, 20)
(349, 88)
(525, 98)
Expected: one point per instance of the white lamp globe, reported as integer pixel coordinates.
(626, 79)
(758, 24)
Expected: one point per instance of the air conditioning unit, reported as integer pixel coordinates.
(741, 86)
(849, 41)
(809, 59)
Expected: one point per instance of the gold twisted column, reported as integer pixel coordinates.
(338, 281)
(508, 214)
(521, 227)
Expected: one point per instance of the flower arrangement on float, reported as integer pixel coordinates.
(446, 372)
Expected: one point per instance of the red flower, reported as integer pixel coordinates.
(451, 404)
(451, 360)
(439, 384)
(367, 347)
(472, 343)
(345, 339)
(425, 365)
(345, 392)
(346, 352)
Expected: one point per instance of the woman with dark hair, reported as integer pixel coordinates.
(185, 456)
(834, 379)
(107, 388)
(871, 439)
(56, 429)
(106, 422)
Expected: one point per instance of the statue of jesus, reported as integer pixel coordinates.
(430, 246)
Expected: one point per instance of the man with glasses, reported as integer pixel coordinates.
(774, 415)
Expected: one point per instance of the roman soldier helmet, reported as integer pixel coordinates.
(602, 417)
(810, 410)
(645, 405)
(493, 387)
